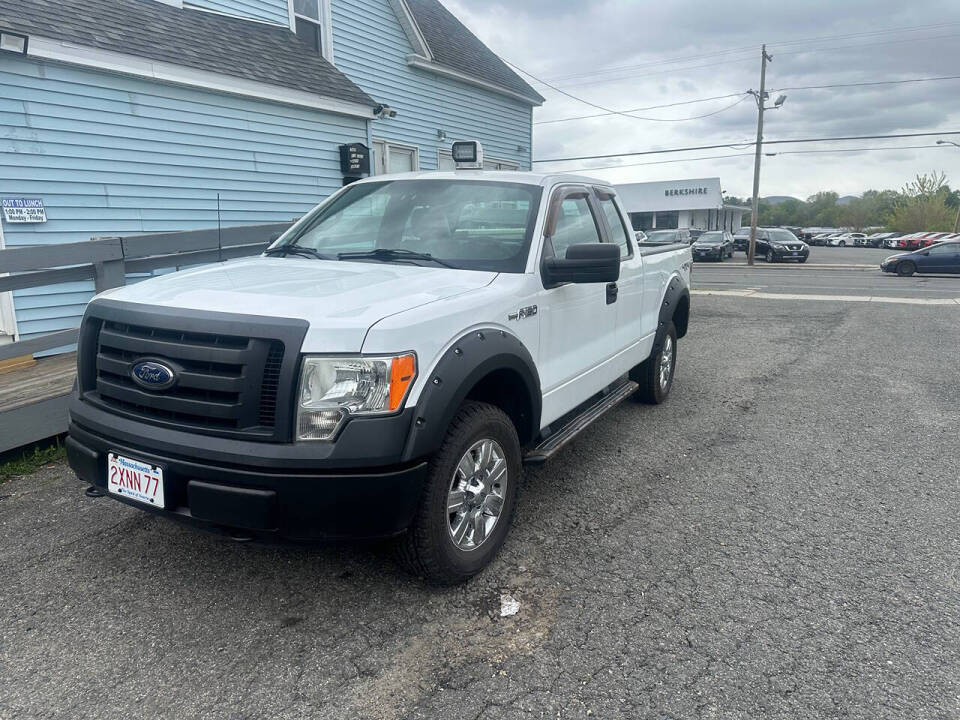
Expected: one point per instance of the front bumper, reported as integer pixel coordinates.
(298, 491)
(708, 255)
(791, 254)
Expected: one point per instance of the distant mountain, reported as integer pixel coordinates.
(846, 199)
(777, 199)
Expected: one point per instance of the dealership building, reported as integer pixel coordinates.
(696, 204)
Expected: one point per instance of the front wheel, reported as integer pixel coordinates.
(906, 269)
(655, 374)
(468, 498)
(771, 257)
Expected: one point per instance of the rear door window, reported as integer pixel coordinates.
(575, 225)
(618, 233)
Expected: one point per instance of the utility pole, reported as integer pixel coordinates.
(761, 99)
(956, 223)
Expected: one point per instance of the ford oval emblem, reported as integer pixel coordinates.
(152, 375)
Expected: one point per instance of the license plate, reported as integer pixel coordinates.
(135, 480)
(794, 253)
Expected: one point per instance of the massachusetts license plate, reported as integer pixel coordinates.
(135, 480)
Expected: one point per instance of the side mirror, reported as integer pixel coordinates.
(587, 263)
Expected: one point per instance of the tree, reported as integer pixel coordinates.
(859, 213)
(923, 205)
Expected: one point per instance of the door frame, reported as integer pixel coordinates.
(387, 144)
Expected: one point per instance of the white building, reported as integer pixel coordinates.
(696, 204)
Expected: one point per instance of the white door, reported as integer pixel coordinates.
(630, 321)
(577, 325)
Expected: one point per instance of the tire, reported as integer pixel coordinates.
(647, 374)
(906, 268)
(771, 258)
(842, 243)
(802, 260)
(429, 548)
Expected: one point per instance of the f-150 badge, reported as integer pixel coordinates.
(524, 312)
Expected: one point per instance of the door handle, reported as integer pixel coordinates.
(612, 291)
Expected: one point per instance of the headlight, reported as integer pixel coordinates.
(333, 388)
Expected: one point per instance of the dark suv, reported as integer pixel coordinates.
(776, 244)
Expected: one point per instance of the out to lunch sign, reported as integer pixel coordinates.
(23, 210)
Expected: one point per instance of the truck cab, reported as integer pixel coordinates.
(385, 368)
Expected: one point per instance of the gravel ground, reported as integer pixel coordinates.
(778, 540)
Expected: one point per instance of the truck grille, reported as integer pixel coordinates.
(226, 383)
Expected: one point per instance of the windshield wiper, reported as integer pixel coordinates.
(392, 254)
(294, 249)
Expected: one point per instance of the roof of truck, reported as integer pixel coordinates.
(512, 176)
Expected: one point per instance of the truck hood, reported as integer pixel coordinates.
(340, 299)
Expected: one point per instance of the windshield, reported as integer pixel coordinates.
(782, 236)
(710, 238)
(662, 236)
(473, 225)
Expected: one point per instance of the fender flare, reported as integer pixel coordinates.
(676, 293)
(468, 360)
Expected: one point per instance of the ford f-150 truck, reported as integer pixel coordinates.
(385, 368)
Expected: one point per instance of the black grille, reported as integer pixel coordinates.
(224, 382)
(270, 385)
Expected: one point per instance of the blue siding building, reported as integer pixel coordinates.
(131, 116)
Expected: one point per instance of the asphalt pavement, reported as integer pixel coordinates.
(778, 540)
(830, 272)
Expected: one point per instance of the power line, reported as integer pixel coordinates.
(633, 76)
(639, 109)
(751, 49)
(748, 144)
(722, 97)
(733, 155)
(865, 84)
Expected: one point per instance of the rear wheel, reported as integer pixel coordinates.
(906, 269)
(655, 374)
(468, 499)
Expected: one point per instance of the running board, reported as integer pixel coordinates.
(546, 449)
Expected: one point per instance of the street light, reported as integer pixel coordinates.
(956, 223)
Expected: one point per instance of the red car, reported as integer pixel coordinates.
(903, 243)
(932, 238)
(913, 243)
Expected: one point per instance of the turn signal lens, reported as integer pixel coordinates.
(402, 373)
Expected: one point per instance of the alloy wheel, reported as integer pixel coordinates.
(476, 496)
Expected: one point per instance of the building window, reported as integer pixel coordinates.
(642, 220)
(391, 157)
(311, 19)
(668, 220)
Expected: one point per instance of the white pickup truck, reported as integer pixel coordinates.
(385, 368)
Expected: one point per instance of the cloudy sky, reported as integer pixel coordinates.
(626, 54)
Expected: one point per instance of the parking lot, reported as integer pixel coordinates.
(778, 540)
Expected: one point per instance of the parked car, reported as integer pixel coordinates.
(820, 239)
(903, 242)
(931, 238)
(741, 239)
(858, 239)
(943, 257)
(640, 236)
(842, 239)
(776, 245)
(695, 233)
(713, 245)
(380, 378)
(681, 235)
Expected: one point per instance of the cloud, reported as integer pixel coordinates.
(614, 53)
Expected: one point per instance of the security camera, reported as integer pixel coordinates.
(384, 111)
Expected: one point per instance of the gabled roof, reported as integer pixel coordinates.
(450, 44)
(202, 40)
